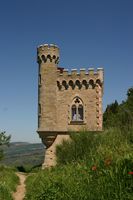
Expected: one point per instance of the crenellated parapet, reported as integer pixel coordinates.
(48, 53)
(83, 78)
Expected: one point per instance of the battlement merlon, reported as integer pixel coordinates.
(48, 53)
(100, 72)
(86, 74)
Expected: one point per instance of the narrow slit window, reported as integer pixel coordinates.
(40, 79)
(39, 108)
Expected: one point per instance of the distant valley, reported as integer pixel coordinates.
(23, 153)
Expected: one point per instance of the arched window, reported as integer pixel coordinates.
(77, 110)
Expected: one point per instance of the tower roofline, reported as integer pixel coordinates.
(47, 53)
(83, 73)
(48, 46)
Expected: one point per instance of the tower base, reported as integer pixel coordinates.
(50, 153)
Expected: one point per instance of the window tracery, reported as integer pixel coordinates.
(77, 110)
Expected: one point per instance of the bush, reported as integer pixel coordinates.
(28, 168)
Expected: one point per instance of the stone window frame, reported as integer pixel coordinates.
(76, 105)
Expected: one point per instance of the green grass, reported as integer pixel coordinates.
(8, 182)
(92, 166)
(92, 147)
(81, 182)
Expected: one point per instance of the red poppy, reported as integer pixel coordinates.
(130, 173)
(107, 162)
(94, 168)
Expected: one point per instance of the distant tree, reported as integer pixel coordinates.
(109, 117)
(112, 108)
(4, 140)
(130, 92)
(120, 115)
(129, 101)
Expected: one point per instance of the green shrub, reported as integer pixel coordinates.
(28, 168)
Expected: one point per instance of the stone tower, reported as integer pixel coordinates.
(48, 58)
(66, 100)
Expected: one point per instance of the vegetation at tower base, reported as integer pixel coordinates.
(8, 182)
(95, 166)
(103, 173)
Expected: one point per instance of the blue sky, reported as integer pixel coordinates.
(90, 33)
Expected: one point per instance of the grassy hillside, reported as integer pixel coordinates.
(23, 154)
(92, 166)
(8, 182)
(93, 147)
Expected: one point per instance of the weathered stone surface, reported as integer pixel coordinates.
(50, 156)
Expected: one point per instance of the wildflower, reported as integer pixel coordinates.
(107, 162)
(94, 168)
(130, 173)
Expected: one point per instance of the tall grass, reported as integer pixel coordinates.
(81, 182)
(93, 147)
(91, 166)
(8, 182)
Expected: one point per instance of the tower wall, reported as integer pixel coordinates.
(90, 90)
(48, 57)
